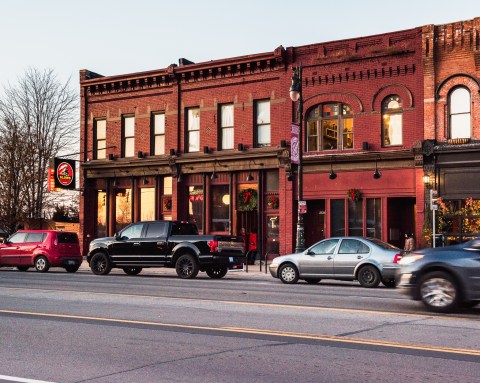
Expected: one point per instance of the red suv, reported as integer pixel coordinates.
(42, 249)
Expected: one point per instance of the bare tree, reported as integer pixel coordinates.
(38, 118)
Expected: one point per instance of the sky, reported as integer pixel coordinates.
(113, 37)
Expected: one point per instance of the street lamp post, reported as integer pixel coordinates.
(296, 95)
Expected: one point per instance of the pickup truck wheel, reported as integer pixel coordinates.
(217, 272)
(187, 267)
(100, 264)
(132, 270)
(41, 264)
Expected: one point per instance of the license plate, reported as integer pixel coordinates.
(230, 259)
(71, 263)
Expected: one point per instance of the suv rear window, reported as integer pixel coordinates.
(67, 238)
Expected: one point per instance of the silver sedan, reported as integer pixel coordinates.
(368, 260)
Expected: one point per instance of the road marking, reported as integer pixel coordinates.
(259, 304)
(22, 380)
(331, 338)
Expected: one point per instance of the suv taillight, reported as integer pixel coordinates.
(213, 246)
(397, 258)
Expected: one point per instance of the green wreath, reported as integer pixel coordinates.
(247, 200)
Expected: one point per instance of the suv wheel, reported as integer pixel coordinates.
(369, 276)
(41, 264)
(186, 267)
(100, 264)
(72, 269)
(439, 292)
(217, 272)
(132, 270)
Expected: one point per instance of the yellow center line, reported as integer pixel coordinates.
(283, 334)
(257, 304)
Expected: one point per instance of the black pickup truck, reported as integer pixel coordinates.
(166, 244)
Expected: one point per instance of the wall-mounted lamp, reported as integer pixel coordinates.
(427, 181)
(249, 177)
(240, 147)
(140, 154)
(376, 174)
(206, 149)
(332, 174)
(111, 156)
(172, 152)
(180, 177)
(283, 143)
(214, 176)
(115, 182)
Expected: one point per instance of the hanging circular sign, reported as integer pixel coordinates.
(65, 173)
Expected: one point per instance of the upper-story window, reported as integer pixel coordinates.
(158, 134)
(392, 115)
(330, 127)
(193, 130)
(459, 113)
(128, 133)
(100, 139)
(226, 126)
(262, 123)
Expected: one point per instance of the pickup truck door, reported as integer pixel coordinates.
(154, 243)
(126, 248)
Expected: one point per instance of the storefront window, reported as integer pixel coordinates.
(101, 214)
(147, 204)
(195, 206)
(272, 181)
(374, 218)
(123, 208)
(220, 208)
(355, 218)
(337, 217)
(273, 226)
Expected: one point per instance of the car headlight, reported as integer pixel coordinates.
(410, 258)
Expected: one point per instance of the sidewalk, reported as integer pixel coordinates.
(249, 271)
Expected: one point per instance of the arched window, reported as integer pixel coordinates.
(392, 115)
(459, 113)
(330, 127)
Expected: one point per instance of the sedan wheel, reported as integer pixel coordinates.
(132, 270)
(369, 276)
(41, 264)
(439, 292)
(100, 264)
(288, 273)
(217, 272)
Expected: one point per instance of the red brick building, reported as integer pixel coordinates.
(451, 149)
(210, 142)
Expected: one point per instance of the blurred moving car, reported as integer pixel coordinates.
(443, 278)
(42, 249)
(368, 260)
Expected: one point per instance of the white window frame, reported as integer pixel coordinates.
(262, 123)
(158, 132)
(459, 110)
(227, 126)
(193, 130)
(128, 136)
(100, 139)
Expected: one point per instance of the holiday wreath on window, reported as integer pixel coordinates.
(354, 194)
(167, 204)
(247, 200)
(272, 202)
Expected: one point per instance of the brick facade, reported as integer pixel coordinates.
(359, 73)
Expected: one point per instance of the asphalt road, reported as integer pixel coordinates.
(247, 327)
